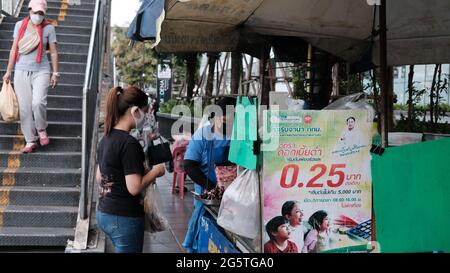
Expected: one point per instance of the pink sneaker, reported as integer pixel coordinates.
(43, 138)
(29, 148)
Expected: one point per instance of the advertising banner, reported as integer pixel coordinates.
(164, 80)
(317, 186)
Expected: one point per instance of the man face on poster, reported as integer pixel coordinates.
(351, 123)
(352, 136)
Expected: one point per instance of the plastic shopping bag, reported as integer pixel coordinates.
(353, 101)
(240, 208)
(244, 134)
(9, 106)
(154, 220)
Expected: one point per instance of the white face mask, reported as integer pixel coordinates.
(36, 19)
(141, 120)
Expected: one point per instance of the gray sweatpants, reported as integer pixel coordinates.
(31, 90)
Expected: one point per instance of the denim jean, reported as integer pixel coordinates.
(126, 233)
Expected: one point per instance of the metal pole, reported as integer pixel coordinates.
(383, 76)
(308, 71)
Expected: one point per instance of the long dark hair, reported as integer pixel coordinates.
(317, 218)
(118, 102)
(287, 207)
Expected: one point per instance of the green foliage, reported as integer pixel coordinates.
(170, 104)
(422, 108)
(422, 127)
(167, 106)
(416, 113)
(299, 81)
(134, 60)
(354, 83)
(178, 69)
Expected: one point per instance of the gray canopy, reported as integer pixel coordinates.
(418, 30)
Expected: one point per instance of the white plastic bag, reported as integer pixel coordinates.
(154, 220)
(240, 208)
(295, 105)
(353, 101)
(9, 105)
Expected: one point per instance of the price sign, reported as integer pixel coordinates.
(322, 164)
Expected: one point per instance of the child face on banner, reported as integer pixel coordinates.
(325, 224)
(296, 216)
(283, 232)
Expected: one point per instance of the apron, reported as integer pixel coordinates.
(218, 154)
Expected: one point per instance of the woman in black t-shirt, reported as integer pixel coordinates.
(121, 171)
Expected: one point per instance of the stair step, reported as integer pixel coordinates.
(61, 144)
(83, 5)
(37, 236)
(70, 5)
(72, 57)
(62, 66)
(64, 114)
(39, 196)
(64, 89)
(73, 22)
(68, 129)
(45, 177)
(74, 67)
(63, 47)
(72, 102)
(39, 200)
(72, 10)
(67, 89)
(60, 37)
(61, 101)
(8, 25)
(8, 30)
(62, 56)
(68, 19)
(72, 78)
(39, 216)
(65, 77)
(42, 159)
(82, 48)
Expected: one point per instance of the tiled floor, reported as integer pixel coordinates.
(177, 212)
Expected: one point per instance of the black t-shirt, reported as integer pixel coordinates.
(119, 154)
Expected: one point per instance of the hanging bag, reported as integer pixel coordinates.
(225, 173)
(239, 210)
(154, 220)
(159, 153)
(244, 134)
(9, 106)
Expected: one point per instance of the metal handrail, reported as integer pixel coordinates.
(91, 105)
(91, 87)
(10, 7)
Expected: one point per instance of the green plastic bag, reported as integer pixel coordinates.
(244, 134)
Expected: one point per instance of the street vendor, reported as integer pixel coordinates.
(209, 146)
